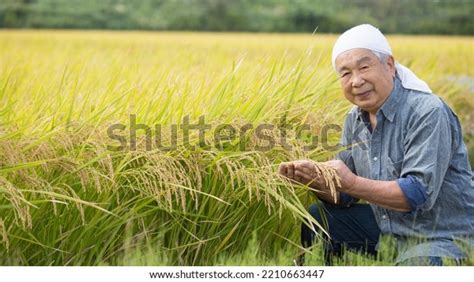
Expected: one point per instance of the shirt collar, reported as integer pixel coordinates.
(389, 107)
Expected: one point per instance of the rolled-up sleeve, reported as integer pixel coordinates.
(414, 192)
(427, 153)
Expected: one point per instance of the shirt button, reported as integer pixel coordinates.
(375, 159)
(384, 217)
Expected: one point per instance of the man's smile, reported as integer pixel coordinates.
(363, 95)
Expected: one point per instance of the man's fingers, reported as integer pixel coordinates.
(302, 177)
(306, 164)
(283, 169)
(291, 171)
(299, 176)
(308, 171)
(302, 171)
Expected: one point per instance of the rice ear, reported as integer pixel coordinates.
(332, 179)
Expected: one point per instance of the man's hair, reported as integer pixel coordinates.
(381, 56)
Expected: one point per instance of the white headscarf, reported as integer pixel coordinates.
(369, 37)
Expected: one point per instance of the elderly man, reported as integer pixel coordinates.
(404, 155)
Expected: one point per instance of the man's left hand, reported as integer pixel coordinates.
(347, 177)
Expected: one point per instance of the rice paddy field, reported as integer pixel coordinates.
(70, 196)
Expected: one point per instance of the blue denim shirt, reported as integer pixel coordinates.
(418, 143)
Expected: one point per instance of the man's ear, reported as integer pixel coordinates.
(391, 65)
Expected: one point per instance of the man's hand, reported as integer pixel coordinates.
(300, 171)
(287, 170)
(304, 172)
(347, 177)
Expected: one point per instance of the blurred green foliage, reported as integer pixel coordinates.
(392, 16)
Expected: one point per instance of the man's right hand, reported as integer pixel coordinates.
(301, 171)
(304, 172)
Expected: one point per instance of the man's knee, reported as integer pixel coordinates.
(422, 261)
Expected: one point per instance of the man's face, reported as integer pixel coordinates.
(365, 80)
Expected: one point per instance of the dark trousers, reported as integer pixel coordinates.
(352, 228)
